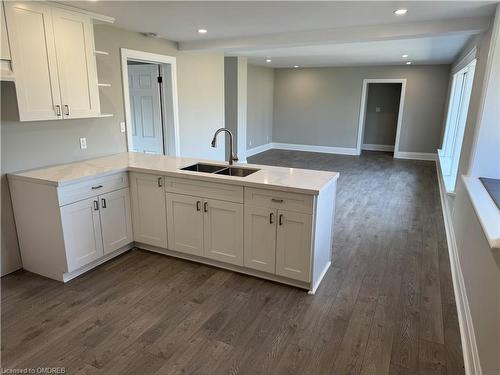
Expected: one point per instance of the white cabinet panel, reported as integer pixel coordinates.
(148, 209)
(76, 64)
(260, 238)
(185, 224)
(82, 233)
(4, 41)
(116, 221)
(34, 60)
(223, 231)
(293, 250)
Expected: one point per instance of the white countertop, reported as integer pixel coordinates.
(288, 179)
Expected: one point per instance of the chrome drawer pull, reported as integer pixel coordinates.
(103, 203)
(96, 205)
(281, 219)
(205, 207)
(198, 205)
(96, 187)
(277, 200)
(271, 218)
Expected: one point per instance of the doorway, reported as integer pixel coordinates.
(150, 97)
(381, 114)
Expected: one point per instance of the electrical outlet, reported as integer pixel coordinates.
(250, 142)
(377, 109)
(122, 127)
(83, 143)
(267, 138)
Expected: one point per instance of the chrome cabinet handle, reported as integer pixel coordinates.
(67, 109)
(103, 203)
(96, 187)
(96, 205)
(160, 184)
(277, 200)
(271, 218)
(205, 207)
(281, 219)
(198, 205)
(58, 110)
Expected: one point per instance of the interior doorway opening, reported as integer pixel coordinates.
(150, 97)
(381, 114)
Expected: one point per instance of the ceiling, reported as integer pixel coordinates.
(308, 33)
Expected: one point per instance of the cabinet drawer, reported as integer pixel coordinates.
(205, 189)
(82, 190)
(279, 199)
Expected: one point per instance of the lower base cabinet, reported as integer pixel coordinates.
(260, 238)
(96, 226)
(205, 227)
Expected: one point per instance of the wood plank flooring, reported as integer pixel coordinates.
(386, 306)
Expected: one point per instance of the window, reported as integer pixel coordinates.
(449, 155)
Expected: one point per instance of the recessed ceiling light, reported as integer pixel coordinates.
(295, 66)
(400, 12)
(202, 31)
(268, 60)
(404, 56)
(408, 63)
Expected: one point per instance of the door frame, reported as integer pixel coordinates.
(362, 110)
(147, 57)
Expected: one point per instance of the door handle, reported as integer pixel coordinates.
(103, 203)
(198, 205)
(58, 110)
(271, 218)
(96, 205)
(160, 184)
(280, 220)
(205, 207)
(66, 107)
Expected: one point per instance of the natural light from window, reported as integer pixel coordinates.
(449, 154)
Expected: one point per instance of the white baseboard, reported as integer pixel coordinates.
(415, 155)
(469, 346)
(373, 147)
(259, 149)
(314, 148)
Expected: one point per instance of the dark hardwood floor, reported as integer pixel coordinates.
(386, 306)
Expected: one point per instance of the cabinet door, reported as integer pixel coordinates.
(82, 233)
(185, 224)
(148, 209)
(116, 221)
(76, 65)
(260, 238)
(223, 231)
(293, 248)
(4, 41)
(34, 60)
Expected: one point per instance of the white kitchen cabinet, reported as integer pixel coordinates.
(185, 223)
(53, 60)
(34, 60)
(293, 245)
(4, 41)
(148, 209)
(76, 67)
(81, 227)
(116, 220)
(223, 231)
(260, 238)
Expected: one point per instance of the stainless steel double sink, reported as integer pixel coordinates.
(220, 169)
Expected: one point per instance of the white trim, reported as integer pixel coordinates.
(362, 110)
(374, 147)
(314, 148)
(258, 149)
(93, 15)
(464, 61)
(129, 54)
(469, 346)
(415, 155)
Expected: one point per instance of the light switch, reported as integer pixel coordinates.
(83, 143)
(377, 109)
(122, 127)
(250, 143)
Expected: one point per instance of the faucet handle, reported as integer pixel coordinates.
(234, 157)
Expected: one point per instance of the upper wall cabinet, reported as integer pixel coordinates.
(53, 61)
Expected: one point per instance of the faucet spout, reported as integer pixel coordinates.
(232, 154)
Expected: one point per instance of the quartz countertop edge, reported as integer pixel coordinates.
(304, 181)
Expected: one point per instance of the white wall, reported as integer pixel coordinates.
(260, 107)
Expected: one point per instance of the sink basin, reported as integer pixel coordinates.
(237, 171)
(205, 168)
(220, 169)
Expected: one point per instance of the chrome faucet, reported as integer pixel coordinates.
(232, 155)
